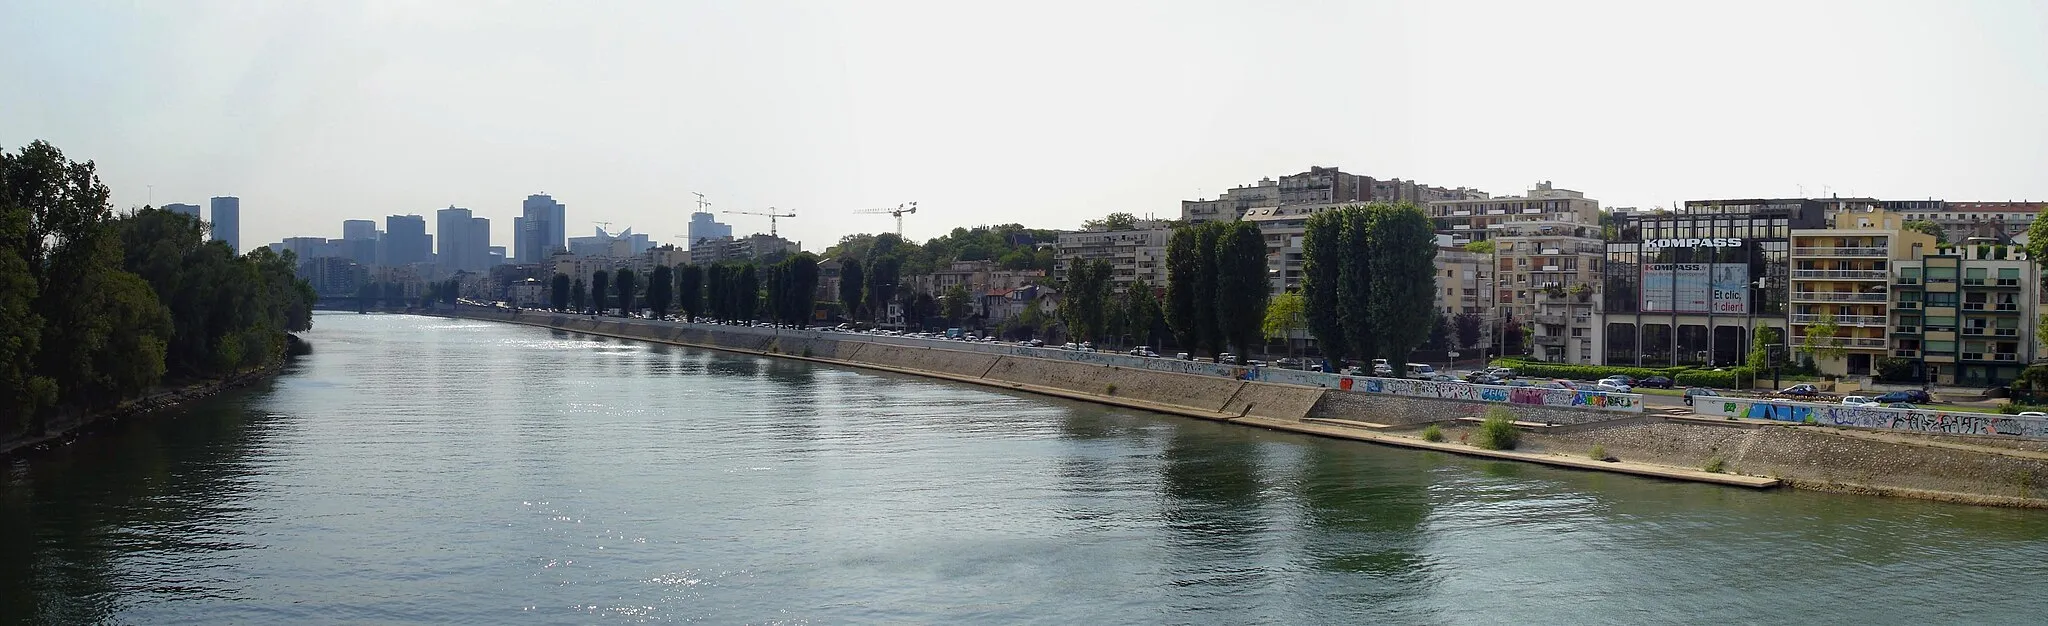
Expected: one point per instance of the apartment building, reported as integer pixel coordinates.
(1133, 254)
(1467, 219)
(1689, 286)
(1548, 276)
(1464, 282)
(1842, 274)
(1317, 186)
(1961, 314)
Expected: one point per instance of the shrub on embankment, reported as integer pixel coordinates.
(1680, 376)
(1497, 432)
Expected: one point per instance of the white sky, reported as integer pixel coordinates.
(1041, 113)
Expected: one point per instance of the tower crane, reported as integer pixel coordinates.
(771, 213)
(900, 210)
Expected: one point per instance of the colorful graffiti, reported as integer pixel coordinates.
(1881, 418)
(1542, 396)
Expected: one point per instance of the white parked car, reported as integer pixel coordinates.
(1613, 386)
(1859, 401)
(2033, 414)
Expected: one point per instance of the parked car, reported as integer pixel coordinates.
(1182, 355)
(1482, 378)
(1501, 372)
(1698, 392)
(1655, 382)
(1444, 378)
(2033, 414)
(1420, 371)
(1909, 395)
(1858, 401)
(1624, 378)
(1802, 389)
(1612, 386)
(1560, 383)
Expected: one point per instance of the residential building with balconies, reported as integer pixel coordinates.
(1467, 220)
(1317, 186)
(1963, 315)
(1132, 254)
(1841, 275)
(1547, 274)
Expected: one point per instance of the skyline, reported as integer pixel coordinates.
(317, 114)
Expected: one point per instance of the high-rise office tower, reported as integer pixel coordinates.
(518, 226)
(451, 231)
(227, 221)
(406, 240)
(476, 247)
(358, 229)
(188, 209)
(704, 226)
(542, 228)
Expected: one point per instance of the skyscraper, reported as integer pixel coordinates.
(518, 226)
(358, 229)
(476, 251)
(188, 209)
(704, 226)
(451, 230)
(542, 228)
(406, 240)
(227, 221)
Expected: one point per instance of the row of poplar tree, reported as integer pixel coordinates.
(98, 308)
(731, 291)
(1368, 278)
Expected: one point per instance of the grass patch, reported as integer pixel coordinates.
(1111, 389)
(1498, 431)
(1715, 465)
(1433, 432)
(1599, 453)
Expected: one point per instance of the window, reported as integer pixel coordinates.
(1941, 323)
(1941, 346)
(1973, 276)
(1941, 299)
(1941, 274)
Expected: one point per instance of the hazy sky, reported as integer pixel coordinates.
(1042, 113)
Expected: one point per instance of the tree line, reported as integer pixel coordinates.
(1368, 281)
(731, 291)
(1217, 286)
(96, 308)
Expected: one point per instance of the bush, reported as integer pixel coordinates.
(1433, 433)
(1715, 465)
(1538, 369)
(2014, 408)
(1726, 379)
(1599, 453)
(1498, 431)
(1111, 389)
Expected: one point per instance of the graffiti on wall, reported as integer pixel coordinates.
(1541, 396)
(1883, 418)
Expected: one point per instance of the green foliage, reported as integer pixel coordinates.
(578, 296)
(1820, 341)
(1183, 273)
(1323, 258)
(792, 286)
(624, 283)
(883, 274)
(2014, 408)
(661, 288)
(1536, 369)
(1726, 379)
(1086, 299)
(96, 309)
(1433, 432)
(1497, 432)
(1715, 465)
(1285, 315)
(1598, 453)
(1466, 327)
(1113, 221)
(1483, 246)
(1759, 349)
(1931, 228)
(1141, 312)
(600, 291)
(1241, 285)
(956, 304)
(747, 293)
(690, 290)
(851, 286)
(1894, 369)
(1353, 300)
(558, 292)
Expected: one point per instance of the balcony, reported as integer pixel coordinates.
(1550, 319)
(2008, 306)
(1497, 212)
(1461, 227)
(1973, 306)
(1905, 330)
(1912, 305)
(1973, 330)
(1531, 211)
(1849, 342)
(1973, 282)
(2006, 332)
(1843, 320)
(1550, 268)
(2008, 282)
(1973, 356)
(1906, 354)
(1838, 296)
(1841, 274)
(1461, 213)
(1843, 252)
(1907, 280)
(1550, 251)
(2005, 356)
(1550, 340)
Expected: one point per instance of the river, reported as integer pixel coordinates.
(424, 470)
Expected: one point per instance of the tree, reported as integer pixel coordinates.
(1209, 333)
(747, 293)
(1241, 285)
(1403, 266)
(451, 290)
(1466, 327)
(624, 284)
(578, 295)
(1113, 221)
(1182, 269)
(851, 286)
(1931, 228)
(600, 291)
(800, 288)
(690, 290)
(558, 292)
(661, 287)
(1141, 311)
(1286, 315)
(1483, 246)
(956, 304)
(1323, 258)
(1820, 341)
(1355, 282)
(1085, 308)
(1760, 347)
(882, 285)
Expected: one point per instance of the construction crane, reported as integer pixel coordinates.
(771, 213)
(898, 212)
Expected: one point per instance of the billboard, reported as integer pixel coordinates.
(1696, 288)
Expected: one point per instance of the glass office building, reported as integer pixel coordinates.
(1688, 287)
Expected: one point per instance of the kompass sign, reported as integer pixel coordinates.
(1717, 242)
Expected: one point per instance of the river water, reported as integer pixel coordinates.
(422, 470)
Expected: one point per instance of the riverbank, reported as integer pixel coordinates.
(63, 432)
(1742, 453)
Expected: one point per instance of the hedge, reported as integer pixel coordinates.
(1535, 369)
(1725, 379)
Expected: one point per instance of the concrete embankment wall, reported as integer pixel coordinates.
(1190, 394)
